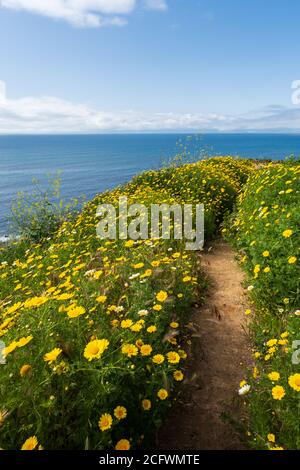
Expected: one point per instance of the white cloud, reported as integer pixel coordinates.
(83, 13)
(2, 92)
(54, 115)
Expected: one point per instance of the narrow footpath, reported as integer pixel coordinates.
(209, 411)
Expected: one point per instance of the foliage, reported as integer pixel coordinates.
(38, 213)
(92, 327)
(266, 230)
(214, 182)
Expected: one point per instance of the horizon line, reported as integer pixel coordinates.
(153, 132)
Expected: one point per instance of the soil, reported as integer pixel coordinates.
(209, 413)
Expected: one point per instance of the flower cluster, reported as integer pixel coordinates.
(92, 327)
(266, 231)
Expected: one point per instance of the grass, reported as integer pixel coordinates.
(266, 229)
(93, 328)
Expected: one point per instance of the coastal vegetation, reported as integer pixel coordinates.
(37, 213)
(92, 329)
(265, 229)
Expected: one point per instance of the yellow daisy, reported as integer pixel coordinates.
(278, 392)
(94, 349)
(122, 444)
(30, 443)
(52, 355)
(161, 296)
(294, 382)
(120, 412)
(162, 394)
(105, 422)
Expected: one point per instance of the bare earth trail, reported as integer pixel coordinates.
(220, 353)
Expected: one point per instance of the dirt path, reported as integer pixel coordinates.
(219, 358)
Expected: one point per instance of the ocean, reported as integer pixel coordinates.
(90, 164)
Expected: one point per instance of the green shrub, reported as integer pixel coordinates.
(84, 319)
(266, 231)
(37, 214)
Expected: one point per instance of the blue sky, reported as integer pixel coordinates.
(148, 64)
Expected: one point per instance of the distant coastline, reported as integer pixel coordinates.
(186, 132)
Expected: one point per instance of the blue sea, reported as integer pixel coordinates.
(93, 163)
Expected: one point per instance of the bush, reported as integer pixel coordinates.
(93, 328)
(215, 182)
(266, 232)
(37, 214)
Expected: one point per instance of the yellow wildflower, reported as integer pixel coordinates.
(178, 375)
(271, 342)
(52, 355)
(158, 359)
(146, 404)
(157, 307)
(25, 370)
(95, 348)
(30, 443)
(294, 382)
(122, 444)
(162, 394)
(146, 350)
(126, 323)
(120, 412)
(256, 269)
(161, 296)
(173, 357)
(130, 350)
(129, 243)
(287, 233)
(23, 341)
(35, 302)
(278, 392)
(105, 422)
(76, 312)
(151, 329)
(10, 348)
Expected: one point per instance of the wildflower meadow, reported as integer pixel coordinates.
(92, 329)
(265, 230)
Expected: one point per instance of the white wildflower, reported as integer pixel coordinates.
(244, 389)
(143, 313)
(134, 276)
